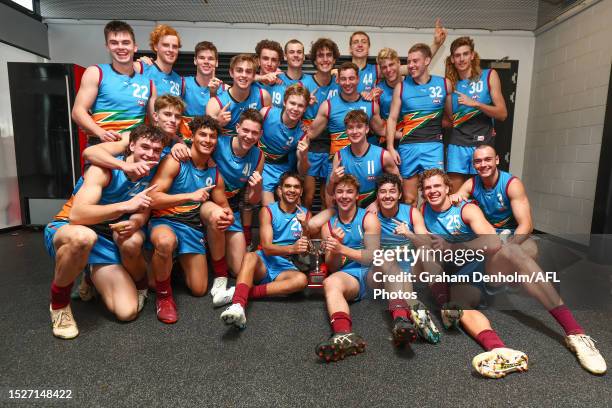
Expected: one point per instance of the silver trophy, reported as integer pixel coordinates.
(318, 274)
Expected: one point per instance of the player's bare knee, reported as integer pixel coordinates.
(164, 245)
(197, 290)
(131, 248)
(300, 281)
(127, 313)
(82, 239)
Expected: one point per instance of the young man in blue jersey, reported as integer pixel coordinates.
(165, 42)
(283, 229)
(269, 55)
(242, 95)
(351, 236)
(389, 65)
(240, 163)
(113, 98)
(176, 224)
(332, 111)
(458, 229)
(370, 74)
(504, 202)
(283, 142)
(167, 115)
(474, 106)
(402, 226)
(322, 86)
(294, 56)
(420, 102)
(360, 159)
(199, 89)
(101, 226)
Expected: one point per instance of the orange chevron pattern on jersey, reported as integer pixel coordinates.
(271, 157)
(188, 213)
(461, 117)
(177, 210)
(503, 223)
(412, 121)
(64, 213)
(339, 140)
(184, 127)
(115, 122)
(367, 195)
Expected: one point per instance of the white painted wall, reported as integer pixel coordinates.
(82, 42)
(566, 117)
(10, 214)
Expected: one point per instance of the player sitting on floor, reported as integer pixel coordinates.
(283, 233)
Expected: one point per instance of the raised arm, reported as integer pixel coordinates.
(302, 155)
(255, 183)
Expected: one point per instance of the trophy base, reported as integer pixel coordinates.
(315, 279)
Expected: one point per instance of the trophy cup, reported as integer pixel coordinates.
(316, 275)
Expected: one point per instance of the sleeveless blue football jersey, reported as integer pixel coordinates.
(354, 233)
(365, 168)
(388, 238)
(448, 224)
(188, 180)
(322, 92)
(420, 118)
(286, 229)
(235, 170)
(368, 78)
(279, 142)
(171, 83)
(253, 101)
(470, 125)
(495, 203)
(121, 103)
(337, 110)
(196, 98)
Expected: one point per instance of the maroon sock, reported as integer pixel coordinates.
(241, 294)
(60, 295)
(440, 293)
(247, 234)
(163, 288)
(341, 322)
(258, 291)
(398, 308)
(220, 268)
(566, 319)
(489, 340)
(142, 283)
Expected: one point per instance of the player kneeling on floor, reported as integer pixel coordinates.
(184, 189)
(283, 233)
(101, 226)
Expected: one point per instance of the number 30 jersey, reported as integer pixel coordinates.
(470, 125)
